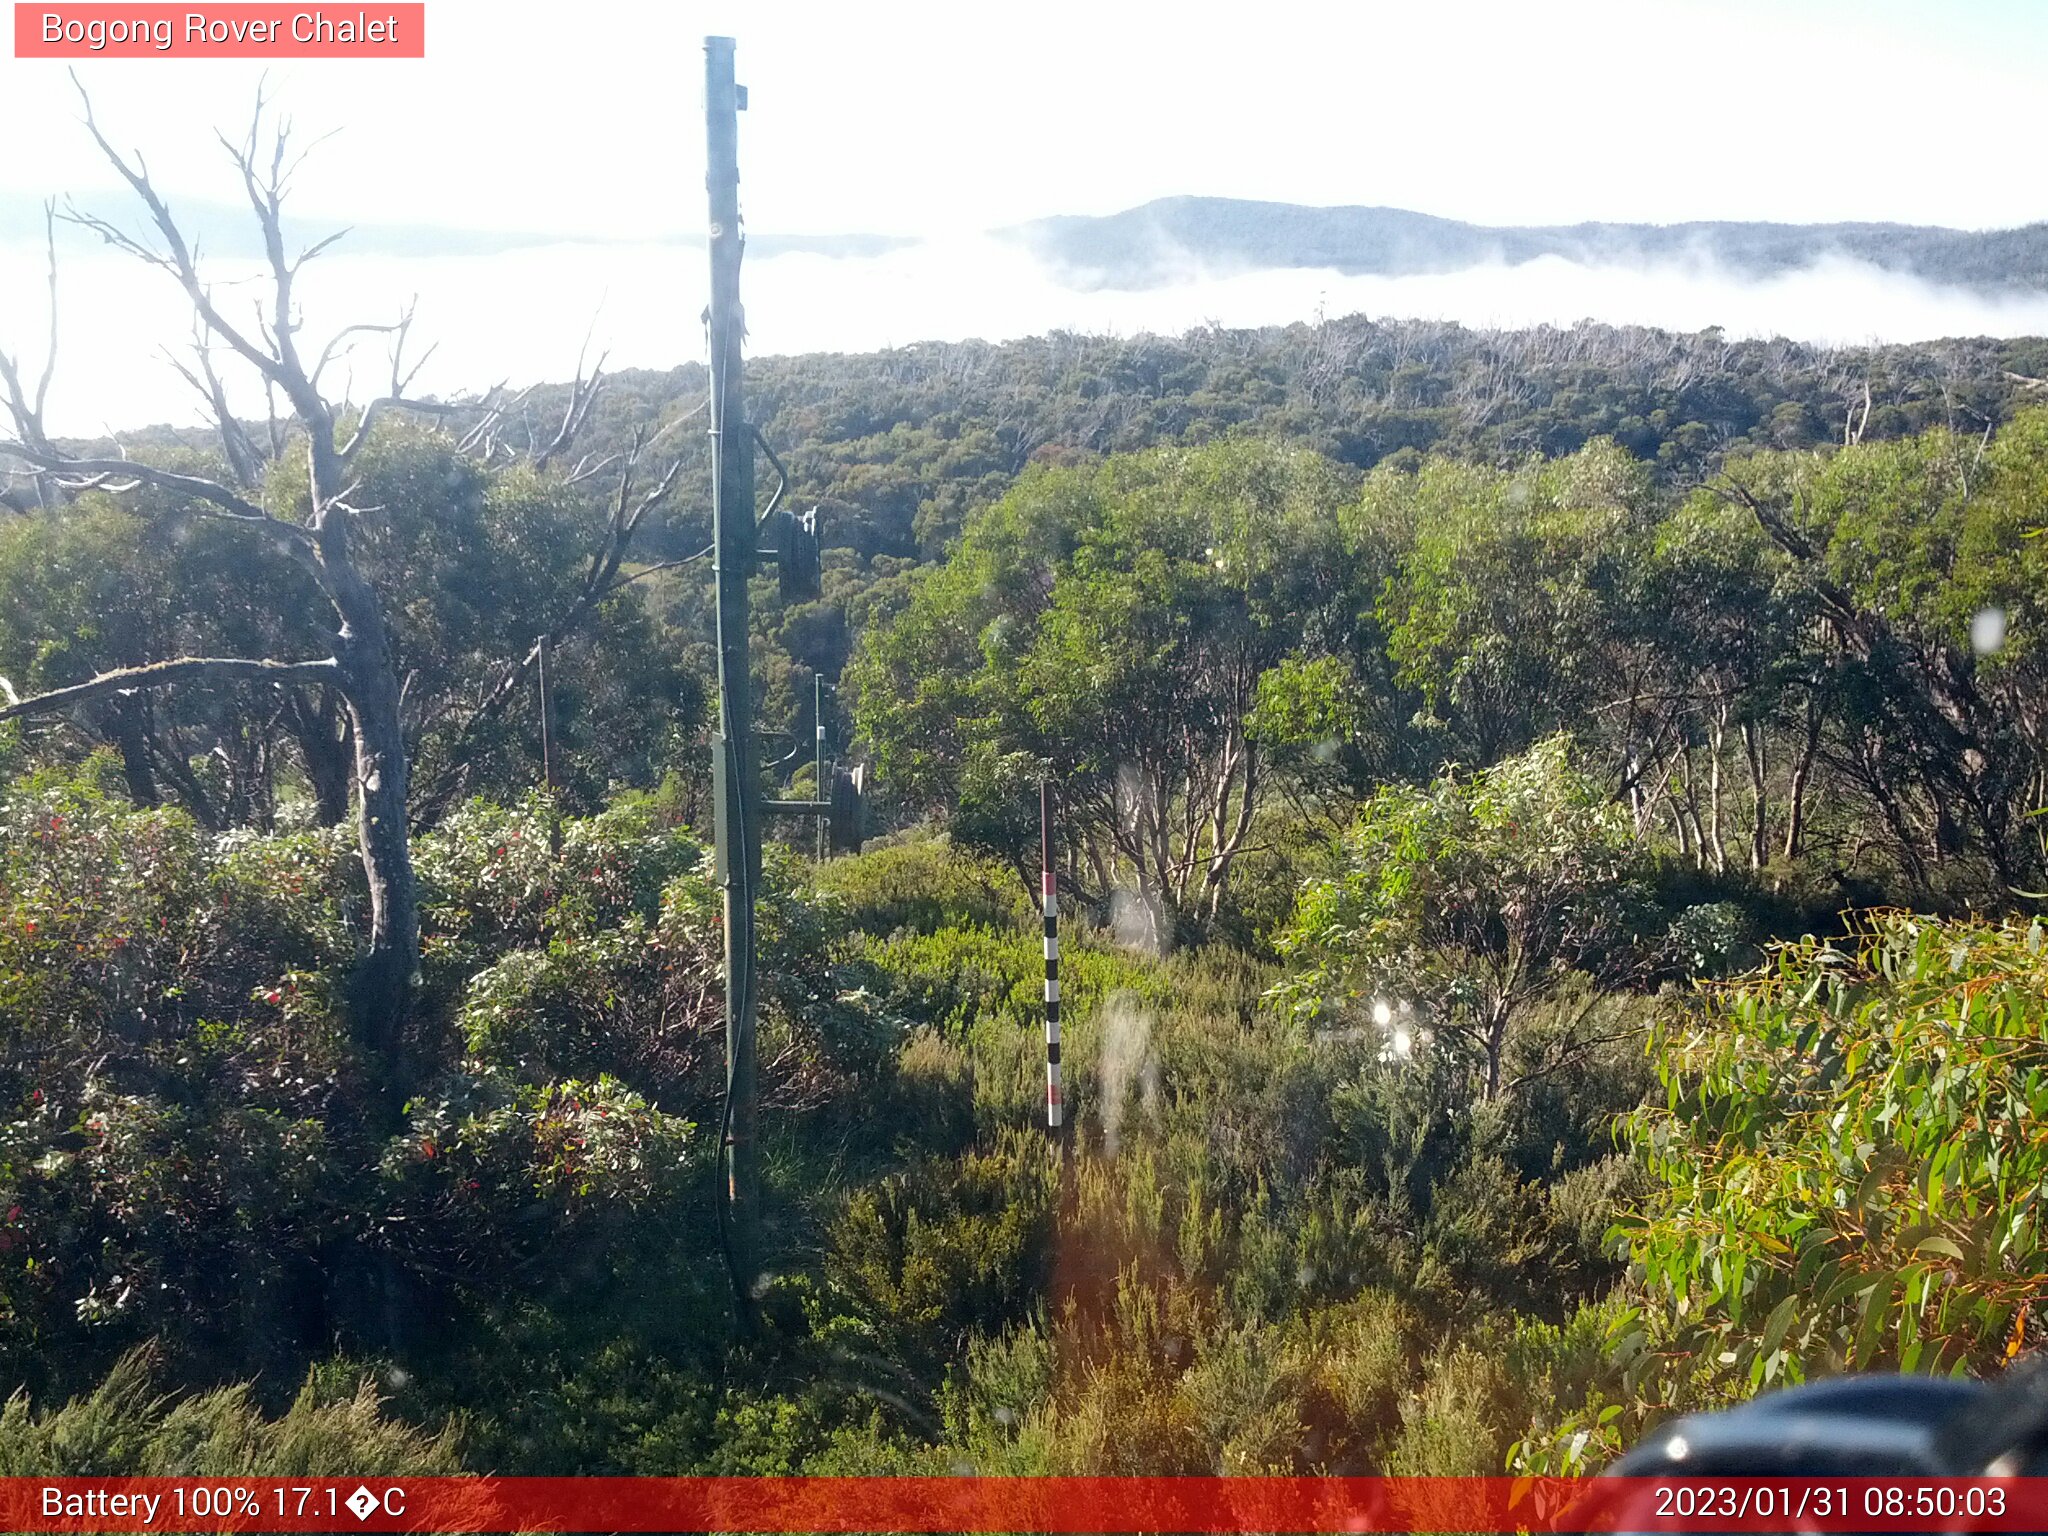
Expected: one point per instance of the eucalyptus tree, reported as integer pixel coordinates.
(1924, 562)
(1450, 909)
(1502, 611)
(1110, 626)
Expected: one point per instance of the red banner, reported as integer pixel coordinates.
(222, 31)
(1023, 1504)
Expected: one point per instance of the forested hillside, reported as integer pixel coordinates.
(899, 445)
(1485, 764)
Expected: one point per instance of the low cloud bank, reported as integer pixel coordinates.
(522, 314)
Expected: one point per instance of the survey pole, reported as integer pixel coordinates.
(1055, 1098)
(735, 770)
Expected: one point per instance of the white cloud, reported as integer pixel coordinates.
(915, 116)
(523, 314)
(938, 120)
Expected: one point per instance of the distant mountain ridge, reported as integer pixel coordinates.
(1155, 244)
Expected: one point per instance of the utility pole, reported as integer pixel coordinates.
(737, 551)
(735, 770)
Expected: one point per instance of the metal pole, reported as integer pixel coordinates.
(1054, 1107)
(547, 750)
(735, 772)
(547, 721)
(818, 786)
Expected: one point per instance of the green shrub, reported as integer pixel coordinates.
(127, 1426)
(986, 990)
(490, 877)
(113, 917)
(1847, 1156)
(188, 1151)
(920, 884)
(1487, 1236)
(1450, 1427)
(644, 998)
(1454, 909)
(1244, 1393)
(997, 1404)
(172, 1067)
(945, 1248)
(1584, 1206)
(474, 1165)
(644, 1002)
(1570, 1385)
(931, 1103)
(1359, 1358)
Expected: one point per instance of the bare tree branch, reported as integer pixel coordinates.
(177, 256)
(601, 579)
(245, 459)
(333, 347)
(28, 415)
(159, 674)
(583, 394)
(228, 504)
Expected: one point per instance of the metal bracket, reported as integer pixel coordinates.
(845, 813)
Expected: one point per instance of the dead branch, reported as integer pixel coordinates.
(161, 674)
(583, 395)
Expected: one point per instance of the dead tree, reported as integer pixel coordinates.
(360, 671)
(491, 439)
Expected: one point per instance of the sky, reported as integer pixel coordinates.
(580, 125)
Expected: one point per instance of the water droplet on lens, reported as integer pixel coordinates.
(1987, 631)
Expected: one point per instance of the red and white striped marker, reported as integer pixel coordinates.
(1054, 1108)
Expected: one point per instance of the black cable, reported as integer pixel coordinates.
(781, 475)
(743, 909)
(738, 944)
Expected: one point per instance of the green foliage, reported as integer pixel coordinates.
(1307, 703)
(172, 1068)
(923, 884)
(472, 562)
(477, 561)
(1290, 1233)
(490, 876)
(962, 979)
(942, 1249)
(1927, 555)
(183, 1104)
(1451, 1427)
(478, 1165)
(95, 586)
(1508, 581)
(128, 1426)
(1453, 907)
(1111, 625)
(1843, 1151)
(902, 445)
(1576, 1388)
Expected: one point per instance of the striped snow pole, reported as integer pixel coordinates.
(1054, 1108)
